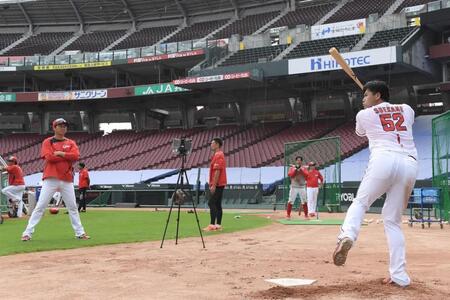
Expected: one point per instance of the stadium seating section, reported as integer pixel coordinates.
(7, 39)
(246, 25)
(358, 9)
(254, 146)
(197, 31)
(43, 43)
(145, 37)
(304, 15)
(383, 38)
(408, 3)
(320, 47)
(95, 41)
(254, 55)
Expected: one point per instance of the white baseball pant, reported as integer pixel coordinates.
(49, 187)
(312, 193)
(394, 174)
(297, 191)
(15, 193)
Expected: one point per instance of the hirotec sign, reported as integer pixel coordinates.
(355, 59)
(154, 89)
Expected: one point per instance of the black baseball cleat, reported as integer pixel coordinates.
(342, 248)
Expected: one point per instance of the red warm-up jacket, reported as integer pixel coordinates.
(56, 166)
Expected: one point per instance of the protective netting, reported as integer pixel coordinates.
(441, 159)
(326, 153)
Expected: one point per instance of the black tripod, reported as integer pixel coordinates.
(182, 175)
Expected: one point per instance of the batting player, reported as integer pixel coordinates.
(392, 169)
(59, 154)
(297, 173)
(14, 191)
(312, 187)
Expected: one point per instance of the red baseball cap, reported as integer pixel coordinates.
(311, 163)
(12, 158)
(59, 121)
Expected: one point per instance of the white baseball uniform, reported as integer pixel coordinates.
(392, 169)
(297, 188)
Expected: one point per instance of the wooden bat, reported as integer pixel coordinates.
(340, 60)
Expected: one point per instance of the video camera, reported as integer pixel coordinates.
(182, 146)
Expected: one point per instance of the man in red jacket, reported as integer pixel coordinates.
(312, 187)
(59, 154)
(217, 183)
(297, 174)
(14, 191)
(83, 185)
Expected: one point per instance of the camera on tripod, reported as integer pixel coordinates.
(182, 146)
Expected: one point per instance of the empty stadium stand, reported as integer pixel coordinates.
(246, 25)
(409, 3)
(7, 39)
(358, 9)
(254, 55)
(320, 47)
(383, 38)
(145, 37)
(42, 43)
(308, 15)
(197, 31)
(95, 41)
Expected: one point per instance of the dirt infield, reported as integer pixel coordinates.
(234, 266)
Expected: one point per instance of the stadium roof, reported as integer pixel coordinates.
(60, 12)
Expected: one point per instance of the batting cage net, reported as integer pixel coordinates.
(441, 159)
(326, 153)
(3, 200)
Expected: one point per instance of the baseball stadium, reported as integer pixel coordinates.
(224, 149)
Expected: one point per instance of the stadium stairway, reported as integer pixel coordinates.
(332, 12)
(19, 41)
(119, 40)
(75, 37)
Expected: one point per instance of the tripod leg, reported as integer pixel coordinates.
(167, 222)
(178, 224)
(196, 216)
(170, 210)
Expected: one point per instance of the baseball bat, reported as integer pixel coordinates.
(2, 161)
(340, 60)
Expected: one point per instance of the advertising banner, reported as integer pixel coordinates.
(7, 97)
(355, 59)
(89, 94)
(8, 69)
(73, 66)
(73, 95)
(211, 78)
(166, 56)
(154, 89)
(331, 30)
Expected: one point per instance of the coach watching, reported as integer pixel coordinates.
(59, 154)
(83, 185)
(217, 182)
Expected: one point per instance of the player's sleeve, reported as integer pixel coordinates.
(291, 172)
(73, 154)
(359, 129)
(219, 164)
(47, 152)
(320, 177)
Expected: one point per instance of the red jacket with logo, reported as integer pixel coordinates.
(312, 180)
(56, 166)
(218, 163)
(15, 175)
(83, 179)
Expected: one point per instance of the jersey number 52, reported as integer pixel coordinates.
(392, 122)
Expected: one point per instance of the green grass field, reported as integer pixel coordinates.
(113, 227)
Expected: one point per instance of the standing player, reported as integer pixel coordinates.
(59, 154)
(312, 187)
(83, 185)
(392, 169)
(297, 173)
(14, 191)
(217, 183)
